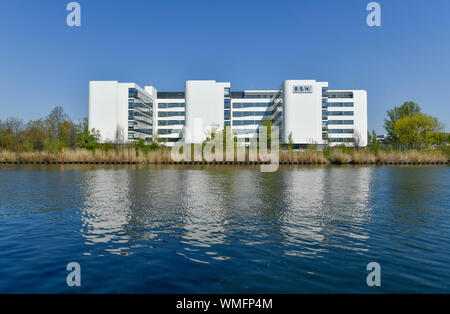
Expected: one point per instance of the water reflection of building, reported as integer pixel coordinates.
(301, 209)
(297, 210)
(204, 221)
(123, 207)
(106, 206)
(325, 205)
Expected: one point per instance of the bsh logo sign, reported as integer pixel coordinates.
(302, 89)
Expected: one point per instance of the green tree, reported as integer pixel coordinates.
(373, 142)
(36, 134)
(438, 138)
(87, 138)
(139, 145)
(11, 134)
(408, 109)
(53, 123)
(415, 131)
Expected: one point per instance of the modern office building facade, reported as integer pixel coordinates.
(306, 112)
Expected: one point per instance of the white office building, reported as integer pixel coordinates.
(306, 112)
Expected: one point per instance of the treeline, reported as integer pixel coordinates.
(408, 127)
(50, 133)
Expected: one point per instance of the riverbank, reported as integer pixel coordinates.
(162, 156)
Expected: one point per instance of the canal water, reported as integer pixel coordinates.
(224, 229)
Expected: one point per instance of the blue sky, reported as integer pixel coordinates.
(252, 44)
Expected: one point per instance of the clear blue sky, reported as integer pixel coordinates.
(252, 44)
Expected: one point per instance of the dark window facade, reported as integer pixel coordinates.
(340, 140)
(339, 113)
(165, 114)
(340, 104)
(171, 95)
(166, 105)
(349, 122)
(340, 131)
(140, 115)
(239, 105)
(340, 95)
(170, 122)
(247, 122)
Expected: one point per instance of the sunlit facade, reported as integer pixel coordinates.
(305, 111)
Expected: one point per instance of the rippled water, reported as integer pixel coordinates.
(224, 229)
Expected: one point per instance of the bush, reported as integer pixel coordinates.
(445, 149)
(327, 152)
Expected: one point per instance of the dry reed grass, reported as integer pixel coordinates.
(412, 156)
(340, 157)
(336, 156)
(308, 156)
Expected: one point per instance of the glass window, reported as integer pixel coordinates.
(340, 140)
(239, 105)
(164, 114)
(339, 131)
(170, 122)
(132, 93)
(168, 131)
(170, 95)
(340, 95)
(338, 113)
(340, 122)
(226, 114)
(340, 104)
(165, 105)
(258, 95)
(247, 122)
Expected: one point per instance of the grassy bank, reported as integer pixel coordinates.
(162, 155)
(84, 155)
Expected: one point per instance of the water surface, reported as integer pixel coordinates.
(224, 229)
